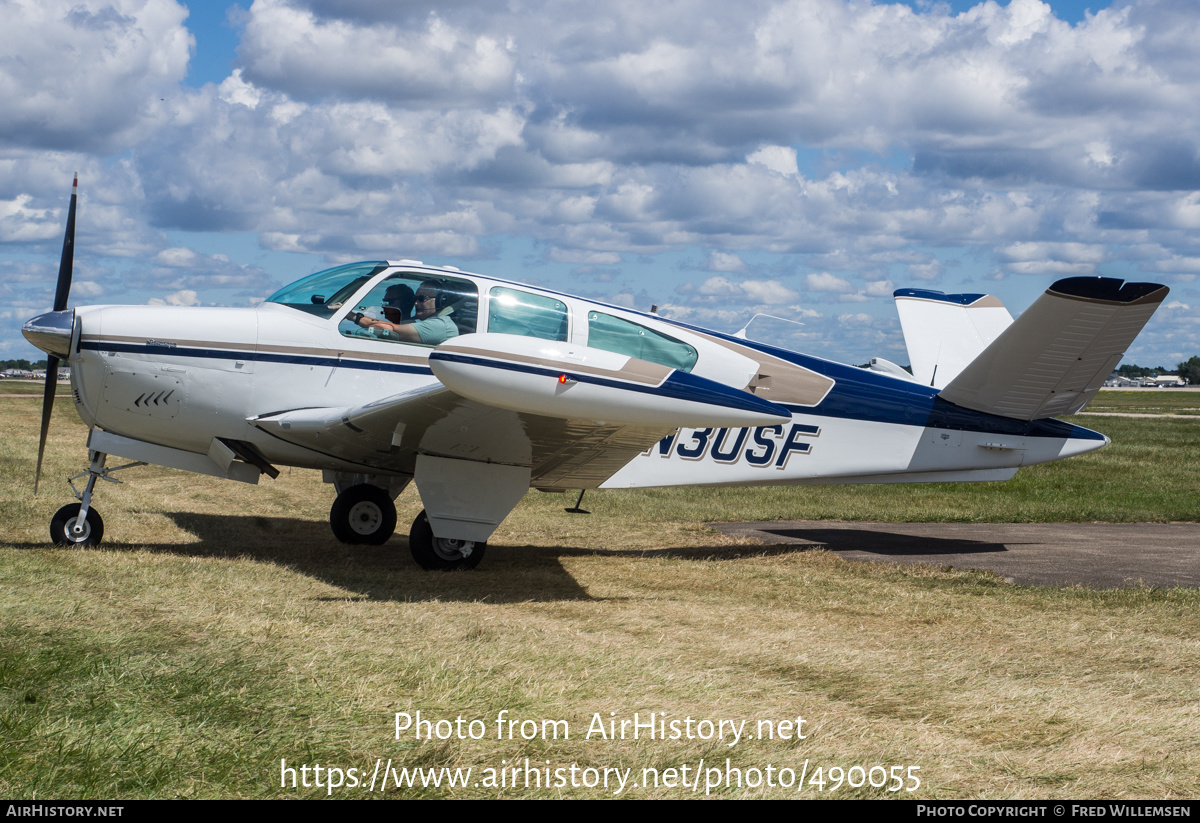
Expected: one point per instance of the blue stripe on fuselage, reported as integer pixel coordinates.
(257, 357)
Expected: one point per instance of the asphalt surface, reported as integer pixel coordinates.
(1097, 555)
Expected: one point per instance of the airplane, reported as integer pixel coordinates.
(383, 373)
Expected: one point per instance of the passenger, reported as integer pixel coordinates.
(398, 302)
(432, 325)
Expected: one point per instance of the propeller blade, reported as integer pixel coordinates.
(61, 292)
(47, 408)
(67, 262)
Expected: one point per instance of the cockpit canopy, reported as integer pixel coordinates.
(377, 312)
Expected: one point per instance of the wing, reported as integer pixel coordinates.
(388, 434)
(570, 414)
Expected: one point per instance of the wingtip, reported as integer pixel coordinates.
(1111, 290)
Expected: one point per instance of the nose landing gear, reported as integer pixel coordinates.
(78, 525)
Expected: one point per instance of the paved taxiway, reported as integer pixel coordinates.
(1099, 555)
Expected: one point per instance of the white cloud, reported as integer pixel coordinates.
(827, 282)
(177, 258)
(880, 288)
(780, 159)
(292, 49)
(769, 292)
(88, 74)
(184, 297)
(585, 258)
(723, 261)
(858, 319)
(86, 289)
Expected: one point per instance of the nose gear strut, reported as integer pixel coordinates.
(78, 524)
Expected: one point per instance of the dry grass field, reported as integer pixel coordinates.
(221, 637)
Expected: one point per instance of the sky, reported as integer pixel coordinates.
(794, 158)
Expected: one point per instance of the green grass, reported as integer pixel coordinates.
(1147, 401)
(222, 629)
(33, 388)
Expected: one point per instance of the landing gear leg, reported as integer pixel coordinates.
(78, 524)
(440, 553)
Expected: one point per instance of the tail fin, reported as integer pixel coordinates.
(945, 332)
(1054, 357)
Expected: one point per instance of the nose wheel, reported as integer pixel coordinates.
(363, 515)
(440, 553)
(67, 528)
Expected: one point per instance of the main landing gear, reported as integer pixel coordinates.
(78, 525)
(440, 553)
(364, 514)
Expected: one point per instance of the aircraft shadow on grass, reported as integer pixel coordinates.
(387, 573)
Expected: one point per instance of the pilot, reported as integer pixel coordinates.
(432, 325)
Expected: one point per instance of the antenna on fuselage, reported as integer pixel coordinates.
(741, 333)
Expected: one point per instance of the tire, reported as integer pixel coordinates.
(63, 523)
(439, 553)
(363, 515)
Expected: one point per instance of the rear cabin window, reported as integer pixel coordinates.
(394, 310)
(511, 311)
(625, 337)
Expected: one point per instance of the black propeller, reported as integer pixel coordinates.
(61, 293)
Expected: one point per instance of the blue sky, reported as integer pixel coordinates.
(798, 157)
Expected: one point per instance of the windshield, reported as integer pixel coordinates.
(326, 291)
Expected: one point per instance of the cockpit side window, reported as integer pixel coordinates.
(414, 308)
(511, 311)
(626, 337)
(326, 291)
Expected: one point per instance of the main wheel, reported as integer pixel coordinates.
(440, 553)
(62, 527)
(363, 514)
